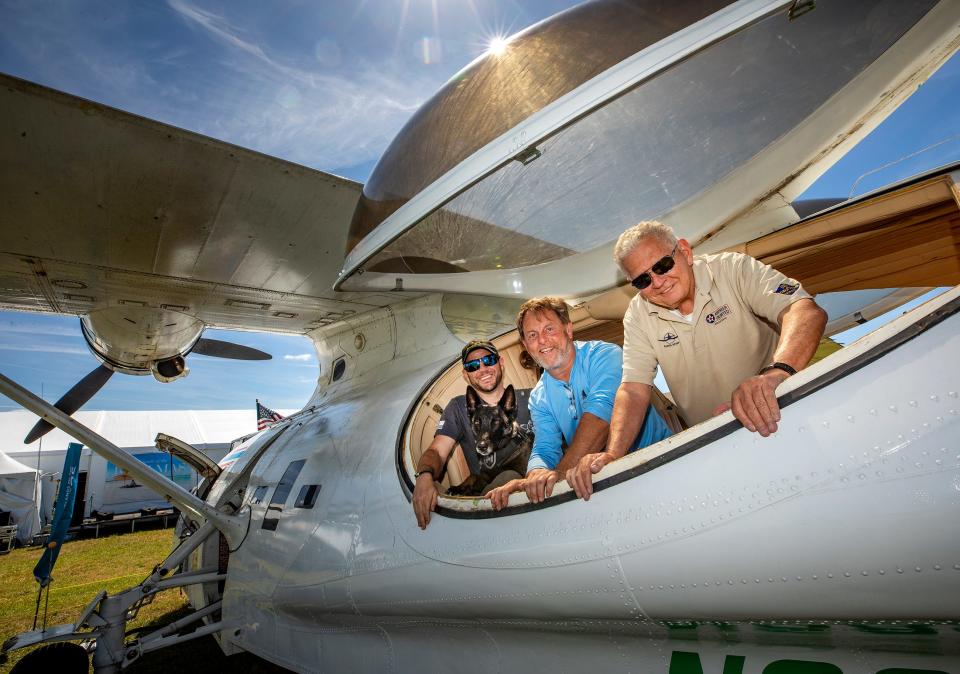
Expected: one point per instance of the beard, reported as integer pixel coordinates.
(556, 359)
(476, 383)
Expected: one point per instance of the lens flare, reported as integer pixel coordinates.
(430, 50)
(497, 46)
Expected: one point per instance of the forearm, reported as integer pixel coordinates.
(430, 461)
(629, 410)
(801, 328)
(590, 438)
(436, 455)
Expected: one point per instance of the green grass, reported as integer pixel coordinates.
(112, 563)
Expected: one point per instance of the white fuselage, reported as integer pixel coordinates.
(848, 513)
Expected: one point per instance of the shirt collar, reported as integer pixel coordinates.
(702, 275)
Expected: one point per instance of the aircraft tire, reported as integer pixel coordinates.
(63, 658)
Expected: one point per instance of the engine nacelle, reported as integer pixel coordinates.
(142, 340)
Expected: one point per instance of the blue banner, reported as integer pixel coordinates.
(62, 514)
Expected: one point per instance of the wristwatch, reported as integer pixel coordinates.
(424, 472)
(789, 369)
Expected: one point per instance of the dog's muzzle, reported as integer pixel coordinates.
(486, 453)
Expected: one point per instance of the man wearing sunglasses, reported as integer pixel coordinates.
(481, 370)
(572, 403)
(725, 330)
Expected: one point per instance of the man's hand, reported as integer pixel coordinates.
(539, 484)
(580, 477)
(499, 496)
(754, 402)
(424, 499)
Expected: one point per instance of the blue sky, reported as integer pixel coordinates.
(324, 84)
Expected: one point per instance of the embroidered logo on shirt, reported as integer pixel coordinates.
(787, 288)
(669, 339)
(718, 316)
(440, 424)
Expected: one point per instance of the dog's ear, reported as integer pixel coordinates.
(473, 401)
(508, 401)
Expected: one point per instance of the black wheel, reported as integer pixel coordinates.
(63, 658)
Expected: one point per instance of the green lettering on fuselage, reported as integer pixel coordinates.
(801, 667)
(684, 662)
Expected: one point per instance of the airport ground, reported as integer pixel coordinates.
(111, 563)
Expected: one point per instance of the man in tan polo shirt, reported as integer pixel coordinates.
(725, 329)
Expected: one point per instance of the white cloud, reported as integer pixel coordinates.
(307, 116)
(228, 80)
(219, 27)
(45, 348)
(300, 356)
(30, 327)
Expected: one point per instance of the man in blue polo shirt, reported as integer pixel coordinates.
(571, 404)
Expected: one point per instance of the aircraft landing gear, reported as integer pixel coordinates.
(63, 658)
(104, 621)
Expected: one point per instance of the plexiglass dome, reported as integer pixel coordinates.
(718, 87)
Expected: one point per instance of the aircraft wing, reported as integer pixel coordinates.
(104, 208)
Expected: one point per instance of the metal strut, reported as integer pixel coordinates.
(233, 527)
(105, 619)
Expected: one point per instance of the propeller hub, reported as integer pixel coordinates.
(166, 371)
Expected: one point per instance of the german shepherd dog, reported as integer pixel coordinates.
(498, 434)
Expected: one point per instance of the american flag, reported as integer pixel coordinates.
(266, 416)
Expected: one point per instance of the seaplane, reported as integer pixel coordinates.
(830, 547)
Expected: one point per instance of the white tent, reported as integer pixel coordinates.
(105, 487)
(20, 496)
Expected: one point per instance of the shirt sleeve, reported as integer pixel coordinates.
(603, 375)
(767, 291)
(449, 424)
(547, 451)
(639, 358)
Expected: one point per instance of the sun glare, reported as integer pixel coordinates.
(497, 46)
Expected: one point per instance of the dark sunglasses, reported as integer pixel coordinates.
(660, 267)
(489, 360)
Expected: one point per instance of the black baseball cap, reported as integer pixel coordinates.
(478, 344)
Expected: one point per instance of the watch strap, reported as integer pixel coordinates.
(786, 367)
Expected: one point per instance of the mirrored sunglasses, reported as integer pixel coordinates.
(489, 360)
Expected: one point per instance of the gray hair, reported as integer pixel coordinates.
(630, 239)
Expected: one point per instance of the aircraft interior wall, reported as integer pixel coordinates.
(907, 239)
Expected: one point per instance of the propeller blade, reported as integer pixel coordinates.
(219, 349)
(73, 400)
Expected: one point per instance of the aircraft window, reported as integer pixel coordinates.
(258, 495)
(280, 494)
(307, 496)
(339, 368)
(654, 147)
(422, 424)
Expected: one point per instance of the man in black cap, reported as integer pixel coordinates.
(483, 373)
